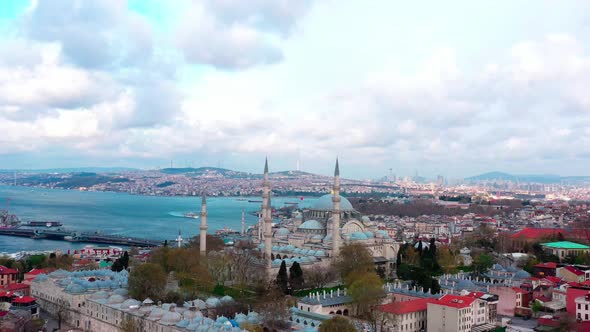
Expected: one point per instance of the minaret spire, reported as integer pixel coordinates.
(203, 228)
(243, 223)
(336, 212)
(267, 215)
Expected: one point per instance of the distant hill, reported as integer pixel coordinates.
(71, 180)
(223, 172)
(533, 178)
(73, 170)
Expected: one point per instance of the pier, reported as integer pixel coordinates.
(73, 236)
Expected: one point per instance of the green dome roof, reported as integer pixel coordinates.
(311, 224)
(325, 203)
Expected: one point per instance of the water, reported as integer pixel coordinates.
(123, 214)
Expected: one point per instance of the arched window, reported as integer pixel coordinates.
(339, 312)
(345, 312)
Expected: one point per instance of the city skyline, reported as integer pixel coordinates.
(454, 89)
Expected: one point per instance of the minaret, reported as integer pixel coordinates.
(179, 239)
(336, 213)
(203, 239)
(267, 215)
(243, 223)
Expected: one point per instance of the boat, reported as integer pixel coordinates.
(191, 215)
(254, 201)
(240, 199)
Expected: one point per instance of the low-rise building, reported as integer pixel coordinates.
(562, 249)
(7, 275)
(410, 316)
(451, 313)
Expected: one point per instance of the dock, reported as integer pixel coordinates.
(73, 236)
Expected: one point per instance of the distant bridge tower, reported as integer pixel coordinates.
(203, 228)
(243, 223)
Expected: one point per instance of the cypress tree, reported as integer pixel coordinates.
(296, 276)
(282, 278)
(117, 266)
(125, 260)
(433, 247)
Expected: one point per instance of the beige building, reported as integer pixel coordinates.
(410, 316)
(451, 313)
(97, 301)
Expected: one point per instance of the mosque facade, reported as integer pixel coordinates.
(308, 237)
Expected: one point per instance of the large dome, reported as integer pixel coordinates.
(311, 224)
(324, 203)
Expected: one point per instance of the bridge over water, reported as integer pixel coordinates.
(73, 236)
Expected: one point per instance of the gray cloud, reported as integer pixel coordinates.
(231, 34)
(93, 33)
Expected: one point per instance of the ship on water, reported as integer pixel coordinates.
(191, 215)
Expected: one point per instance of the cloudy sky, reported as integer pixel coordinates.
(435, 87)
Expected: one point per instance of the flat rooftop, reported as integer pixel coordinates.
(565, 245)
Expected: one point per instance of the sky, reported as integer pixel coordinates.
(455, 88)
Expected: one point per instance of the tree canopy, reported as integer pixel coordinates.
(147, 280)
(366, 291)
(354, 259)
(337, 324)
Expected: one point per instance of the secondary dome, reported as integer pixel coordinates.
(325, 203)
(311, 224)
(282, 232)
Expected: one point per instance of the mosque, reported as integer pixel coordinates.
(315, 234)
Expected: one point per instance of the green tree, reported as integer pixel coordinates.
(354, 259)
(117, 266)
(366, 291)
(296, 277)
(536, 307)
(125, 260)
(147, 280)
(482, 263)
(337, 324)
(282, 278)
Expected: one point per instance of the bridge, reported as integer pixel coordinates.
(73, 236)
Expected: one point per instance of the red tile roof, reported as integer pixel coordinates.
(555, 280)
(476, 295)
(549, 265)
(35, 272)
(518, 290)
(6, 270)
(574, 270)
(537, 233)
(399, 308)
(24, 299)
(454, 301)
(13, 287)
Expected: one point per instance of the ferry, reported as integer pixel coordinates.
(225, 231)
(191, 215)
